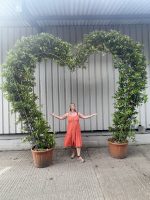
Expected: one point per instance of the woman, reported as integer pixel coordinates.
(73, 136)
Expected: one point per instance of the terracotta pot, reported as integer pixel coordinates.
(42, 158)
(117, 150)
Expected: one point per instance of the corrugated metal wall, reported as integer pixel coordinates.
(91, 88)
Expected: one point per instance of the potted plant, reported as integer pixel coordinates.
(118, 143)
(124, 121)
(39, 135)
(43, 143)
(127, 100)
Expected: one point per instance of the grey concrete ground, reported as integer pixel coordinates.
(101, 177)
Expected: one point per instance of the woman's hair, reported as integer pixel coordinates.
(70, 108)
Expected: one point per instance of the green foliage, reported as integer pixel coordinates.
(19, 80)
(131, 64)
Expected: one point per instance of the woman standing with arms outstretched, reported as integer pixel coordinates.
(73, 136)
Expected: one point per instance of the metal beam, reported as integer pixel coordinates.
(93, 17)
(33, 20)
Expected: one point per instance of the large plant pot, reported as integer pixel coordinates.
(117, 150)
(42, 158)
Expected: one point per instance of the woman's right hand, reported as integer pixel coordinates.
(52, 114)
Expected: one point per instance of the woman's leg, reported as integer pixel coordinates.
(78, 151)
(79, 154)
(73, 152)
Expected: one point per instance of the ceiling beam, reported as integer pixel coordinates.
(32, 20)
(93, 17)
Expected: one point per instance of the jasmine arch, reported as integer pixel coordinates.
(19, 80)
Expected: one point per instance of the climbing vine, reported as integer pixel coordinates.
(19, 80)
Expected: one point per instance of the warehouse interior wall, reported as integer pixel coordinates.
(91, 89)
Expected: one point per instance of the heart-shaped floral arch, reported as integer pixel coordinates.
(19, 80)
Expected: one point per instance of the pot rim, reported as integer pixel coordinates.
(44, 150)
(116, 143)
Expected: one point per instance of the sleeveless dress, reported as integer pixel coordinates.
(73, 136)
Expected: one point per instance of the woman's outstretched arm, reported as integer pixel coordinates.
(86, 116)
(60, 117)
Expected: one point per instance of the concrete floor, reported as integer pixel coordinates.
(101, 177)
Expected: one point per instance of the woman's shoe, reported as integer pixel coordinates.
(73, 155)
(80, 159)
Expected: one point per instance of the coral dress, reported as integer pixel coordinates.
(73, 136)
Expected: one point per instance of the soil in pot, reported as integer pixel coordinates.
(117, 150)
(42, 158)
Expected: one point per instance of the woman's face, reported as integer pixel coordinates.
(72, 106)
